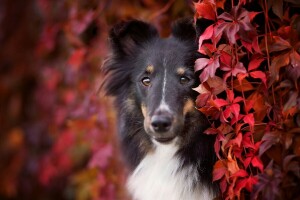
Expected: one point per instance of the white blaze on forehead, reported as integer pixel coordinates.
(163, 105)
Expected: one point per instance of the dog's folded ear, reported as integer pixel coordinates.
(125, 37)
(184, 29)
(187, 30)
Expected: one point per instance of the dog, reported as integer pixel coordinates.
(160, 130)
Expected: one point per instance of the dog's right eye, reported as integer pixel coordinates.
(146, 81)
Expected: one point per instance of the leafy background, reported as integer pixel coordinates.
(57, 134)
(57, 131)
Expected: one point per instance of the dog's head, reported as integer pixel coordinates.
(154, 75)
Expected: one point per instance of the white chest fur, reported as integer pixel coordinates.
(158, 177)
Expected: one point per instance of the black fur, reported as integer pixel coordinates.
(132, 42)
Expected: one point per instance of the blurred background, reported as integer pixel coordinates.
(57, 131)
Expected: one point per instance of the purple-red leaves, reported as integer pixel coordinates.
(233, 70)
(258, 108)
(210, 66)
(235, 24)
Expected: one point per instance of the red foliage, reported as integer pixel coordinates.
(252, 49)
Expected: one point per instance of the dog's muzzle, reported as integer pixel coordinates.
(161, 124)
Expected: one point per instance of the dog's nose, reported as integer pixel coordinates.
(161, 123)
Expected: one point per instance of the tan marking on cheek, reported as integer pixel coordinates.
(150, 69)
(146, 117)
(144, 110)
(180, 71)
(189, 106)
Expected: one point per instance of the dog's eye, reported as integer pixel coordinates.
(146, 81)
(184, 80)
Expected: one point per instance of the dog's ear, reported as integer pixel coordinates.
(125, 37)
(188, 30)
(184, 29)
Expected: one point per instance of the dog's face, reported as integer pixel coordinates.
(163, 79)
(159, 71)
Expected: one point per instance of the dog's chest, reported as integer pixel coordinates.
(159, 177)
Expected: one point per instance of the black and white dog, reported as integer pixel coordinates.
(161, 132)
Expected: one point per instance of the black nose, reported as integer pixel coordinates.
(161, 123)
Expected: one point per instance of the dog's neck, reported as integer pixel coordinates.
(160, 176)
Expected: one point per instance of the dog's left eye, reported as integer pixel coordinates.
(184, 79)
(146, 81)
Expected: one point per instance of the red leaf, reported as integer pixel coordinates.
(205, 10)
(255, 63)
(223, 184)
(208, 33)
(207, 49)
(252, 15)
(249, 105)
(238, 68)
(220, 103)
(230, 95)
(200, 63)
(211, 131)
(219, 171)
(249, 119)
(251, 181)
(247, 45)
(247, 141)
(217, 147)
(235, 109)
(225, 58)
(247, 161)
(256, 162)
(226, 16)
(279, 44)
(261, 75)
(240, 173)
(238, 99)
(202, 99)
(246, 183)
(224, 115)
(231, 32)
(255, 45)
(210, 69)
(236, 141)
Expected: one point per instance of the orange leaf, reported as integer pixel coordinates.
(219, 171)
(259, 106)
(243, 86)
(205, 10)
(231, 163)
(278, 62)
(220, 3)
